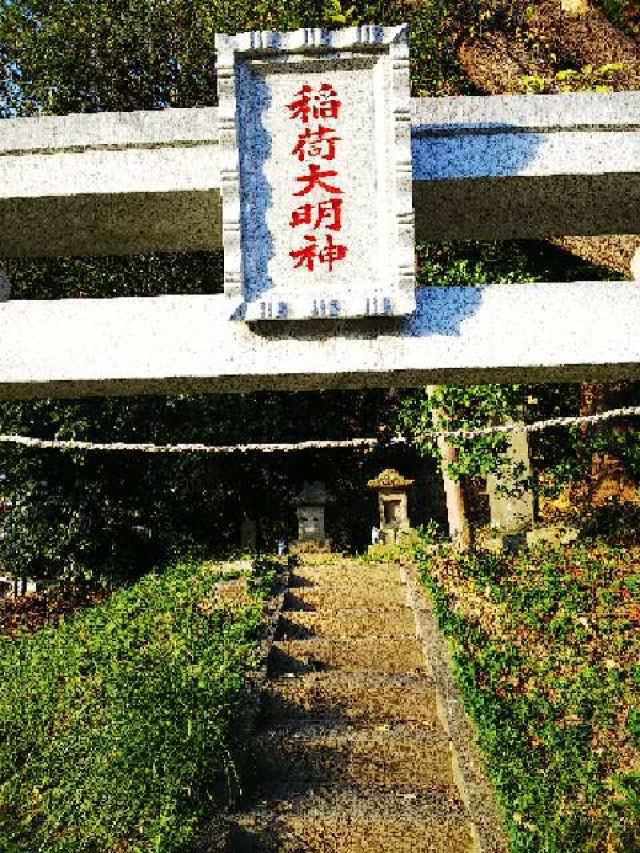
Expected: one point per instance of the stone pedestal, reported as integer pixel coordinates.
(392, 490)
(310, 546)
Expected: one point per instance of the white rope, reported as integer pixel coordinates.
(534, 427)
(73, 444)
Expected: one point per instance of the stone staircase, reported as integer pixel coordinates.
(354, 753)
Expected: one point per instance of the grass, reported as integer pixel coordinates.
(547, 652)
(119, 728)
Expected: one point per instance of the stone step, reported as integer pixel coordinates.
(345, 564)
(395, 621)
(347, 821)
(346, 586)
(357, 698)
(304, 576)
(312, 598)
(360, 655)
(398, 758)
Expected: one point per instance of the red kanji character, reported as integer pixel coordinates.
(301, 215)
(328, 104)
(330, 209)
(302, 107)
(316, 142)
(315, 179)
(307, 255)
(331, 252)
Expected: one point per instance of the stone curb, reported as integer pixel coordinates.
(266, 636)
(467, 761)
(218, 826)
(255, 680)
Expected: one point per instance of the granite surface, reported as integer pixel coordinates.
(556, 332)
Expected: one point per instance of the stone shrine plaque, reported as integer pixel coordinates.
(315, 147)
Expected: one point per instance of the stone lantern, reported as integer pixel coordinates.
(310, 509)
(392, 490)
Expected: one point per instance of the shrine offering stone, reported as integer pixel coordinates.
(310, 511)
(512, 512)
(316, 172)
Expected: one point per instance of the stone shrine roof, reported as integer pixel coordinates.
(389, 479)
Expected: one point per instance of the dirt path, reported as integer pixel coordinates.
(359, 746)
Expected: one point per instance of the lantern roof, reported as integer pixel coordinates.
(389, 479)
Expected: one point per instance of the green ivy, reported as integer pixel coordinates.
(557, 793)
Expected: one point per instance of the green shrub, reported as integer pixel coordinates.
(115, 727)
(544, 650)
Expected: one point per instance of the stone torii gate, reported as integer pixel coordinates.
(315, 175)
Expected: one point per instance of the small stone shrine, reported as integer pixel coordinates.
(310, 508)
(392, 490)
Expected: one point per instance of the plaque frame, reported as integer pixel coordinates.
(239, 57)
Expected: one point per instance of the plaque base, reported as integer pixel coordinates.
(317, 306)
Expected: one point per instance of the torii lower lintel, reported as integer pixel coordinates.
(182, 344)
